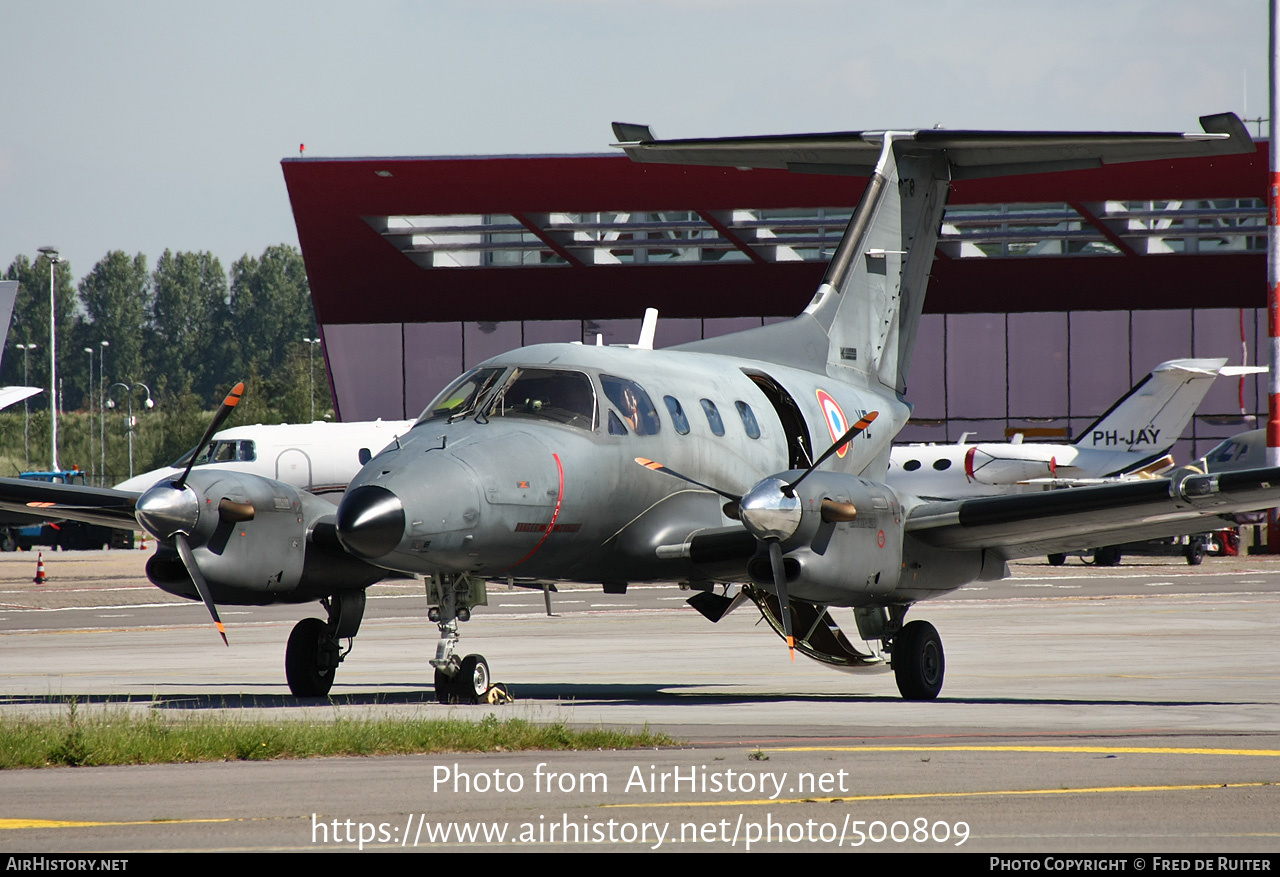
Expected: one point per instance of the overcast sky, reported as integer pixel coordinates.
(140, 126)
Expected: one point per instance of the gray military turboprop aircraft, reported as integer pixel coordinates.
(693, 464)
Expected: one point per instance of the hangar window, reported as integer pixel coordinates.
(911, 465)
(634, 406)
(677, 414)
(547, 394)
(713, 416)
(942, 465)
(748, 419)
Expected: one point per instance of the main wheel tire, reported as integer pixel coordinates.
(302, 660)
(918, 661)
(1057, 559)
(1195, 554)
(1108, 556)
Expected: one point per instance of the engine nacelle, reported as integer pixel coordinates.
(847, 550)
(286, 551)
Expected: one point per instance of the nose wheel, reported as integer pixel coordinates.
(470, 684)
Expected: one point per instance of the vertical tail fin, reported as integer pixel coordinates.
(871, 298)
(1151, 416)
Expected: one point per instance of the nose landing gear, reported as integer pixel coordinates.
(464, 680)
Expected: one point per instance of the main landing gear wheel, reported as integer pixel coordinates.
(469, 685)
(918, 662)
(303, 666)
(1057, 559)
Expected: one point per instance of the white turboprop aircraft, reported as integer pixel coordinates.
(320, 458)
(1131, 439)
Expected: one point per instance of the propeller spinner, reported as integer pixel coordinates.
(170, 510)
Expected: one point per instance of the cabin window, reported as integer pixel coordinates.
(547, 394)
(634, 407)
(942, 465)
(911, 465)
(461, 397)
(677, 414)
(713, 416)
(748, 419)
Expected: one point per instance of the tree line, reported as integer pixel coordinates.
(186, 329)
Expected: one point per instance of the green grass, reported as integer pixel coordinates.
(116, 737)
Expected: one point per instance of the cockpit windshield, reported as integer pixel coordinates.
(220, 451)
(460, 398)
(547, 394)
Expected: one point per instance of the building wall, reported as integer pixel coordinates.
(986, 374)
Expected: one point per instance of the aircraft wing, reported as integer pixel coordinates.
(1056, 521)
(69, 502)
(13, 395)
(972, 154)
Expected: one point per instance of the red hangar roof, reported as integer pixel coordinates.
(440, 239)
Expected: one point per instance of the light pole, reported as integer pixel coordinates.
(102, 406)
(52, 254)
(311, 372)
(89, 350)
(149, 404)
(26, 404)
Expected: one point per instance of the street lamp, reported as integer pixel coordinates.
(130, 390)
(26, 404)
(102, 405)
(311, 372)
(89, 350)
(52, 254)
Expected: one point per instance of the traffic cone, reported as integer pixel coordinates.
(143, 546)
(40, 576)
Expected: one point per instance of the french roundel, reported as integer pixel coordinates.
(837, 424)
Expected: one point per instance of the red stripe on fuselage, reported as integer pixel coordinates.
(555, 514)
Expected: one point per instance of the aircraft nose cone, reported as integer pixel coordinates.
(163, 510)
(370, 521)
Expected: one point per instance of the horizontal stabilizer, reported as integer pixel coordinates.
(971, 154)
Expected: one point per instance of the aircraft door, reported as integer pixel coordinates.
(799, 445)
(293, 466)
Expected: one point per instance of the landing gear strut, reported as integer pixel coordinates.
(451, 597)
(918, 662)
(314, 651)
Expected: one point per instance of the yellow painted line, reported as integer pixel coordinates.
(916, 796)
(1109, 750)
(12, 824)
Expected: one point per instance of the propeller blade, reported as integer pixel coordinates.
(858, 427)
(224, 411)
(780, 585)
(658, 467)
(189, 561)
